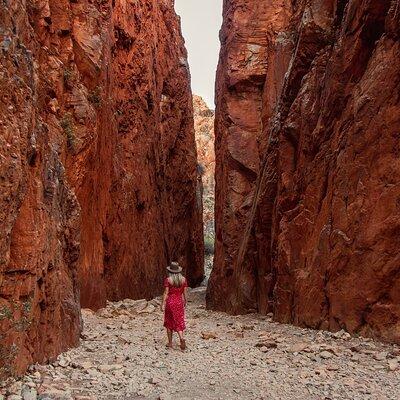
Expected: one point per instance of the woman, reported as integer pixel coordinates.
(174, 303)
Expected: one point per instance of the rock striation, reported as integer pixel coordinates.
(307, 174)
(98, 179)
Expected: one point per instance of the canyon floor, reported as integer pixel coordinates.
(123, 356)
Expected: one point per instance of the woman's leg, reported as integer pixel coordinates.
(180, 334)
(182, 339)
(169, 335)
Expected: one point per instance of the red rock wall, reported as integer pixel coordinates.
(155, 214)
(321, 218)
(98, 165)
(39, 241)
(247, 33)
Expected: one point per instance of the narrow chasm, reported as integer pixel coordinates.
(280, 207)
(204, 119)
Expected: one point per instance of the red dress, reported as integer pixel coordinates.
(174, 316)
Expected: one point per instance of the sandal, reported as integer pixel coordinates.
(169, 346)
(183, 344)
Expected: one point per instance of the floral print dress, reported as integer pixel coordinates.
(174, 315)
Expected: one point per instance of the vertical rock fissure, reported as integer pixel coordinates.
(204, 119)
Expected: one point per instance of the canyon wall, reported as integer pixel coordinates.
(308, 172)
(98, 178)
(155, 211)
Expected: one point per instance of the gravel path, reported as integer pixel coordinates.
(122, 356)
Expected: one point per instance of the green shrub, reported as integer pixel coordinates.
(27, 306)
(94, 96)
(5, 313)
(208, 245)
(68, 75)
(201, 170)
(68, 127)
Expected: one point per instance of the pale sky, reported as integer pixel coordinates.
(201, 22)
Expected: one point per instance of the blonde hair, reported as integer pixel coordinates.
(176, 280)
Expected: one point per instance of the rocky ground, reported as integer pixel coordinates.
(123, 356)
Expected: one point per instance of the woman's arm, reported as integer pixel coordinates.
(185, 296)
(164, 299)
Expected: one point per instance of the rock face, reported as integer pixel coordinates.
(155, 207)
(39, 241)
(307, 174)
(99, 186)
(204, 133)
(239, 139)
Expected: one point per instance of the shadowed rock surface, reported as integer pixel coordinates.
(98, 165)
(307, 174)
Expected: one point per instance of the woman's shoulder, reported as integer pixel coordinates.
(166, 282)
